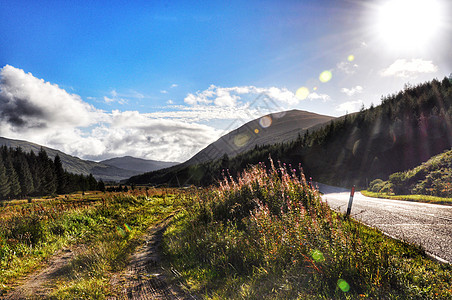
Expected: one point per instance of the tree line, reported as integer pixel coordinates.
(27, 174)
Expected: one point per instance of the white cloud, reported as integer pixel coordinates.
(170, 102)
(164, 92)
(208, 113)
(315, 96)
(122, 98)
(353, 91)
(27, 102)
(108, 100)
(347, 67)
(174, 85)
(350, 106)
(232, 96)
(409, 68)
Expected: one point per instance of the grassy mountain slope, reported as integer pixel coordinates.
(137, 164)
(434, 177)
(405, 130)
(273, 128)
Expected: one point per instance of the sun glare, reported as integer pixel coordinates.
(408, 24)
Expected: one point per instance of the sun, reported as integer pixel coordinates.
(408, 24)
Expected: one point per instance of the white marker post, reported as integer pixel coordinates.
(350, 201)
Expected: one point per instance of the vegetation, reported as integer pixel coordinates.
(404, 131)
(26, 174)
(105, 228)
(413, 198)
(433, 178)
(268, 235)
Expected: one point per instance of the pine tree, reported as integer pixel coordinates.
(4, 182)
(25, 176)
(13, 178)
(47, 170)
(35, 171)
(61, 179)
(92, 183)
(101, 186)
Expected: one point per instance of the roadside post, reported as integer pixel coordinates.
(350, 202)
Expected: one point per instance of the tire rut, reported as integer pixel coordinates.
(144, 277)
(39, 284)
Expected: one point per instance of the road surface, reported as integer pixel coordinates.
(428, 225)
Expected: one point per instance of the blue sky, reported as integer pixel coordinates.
(162, 79)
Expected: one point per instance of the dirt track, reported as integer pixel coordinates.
(144, 278)
(39, 284)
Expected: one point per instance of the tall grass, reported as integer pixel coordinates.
(270, 235)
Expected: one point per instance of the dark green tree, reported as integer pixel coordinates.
(4, 182)
(14, 185)
(92, 183)
(101, 186)
(61, 180)
(48, 177)
(25, 176)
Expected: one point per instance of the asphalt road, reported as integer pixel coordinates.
(428, 225)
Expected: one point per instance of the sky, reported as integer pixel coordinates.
(163, 79)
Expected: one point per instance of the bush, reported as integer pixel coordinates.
(376, 185)
(398, 183)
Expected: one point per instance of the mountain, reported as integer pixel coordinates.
(72, 164)
(270, 129)
(405, 130)
(137, 164)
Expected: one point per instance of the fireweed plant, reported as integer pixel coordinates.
(268, 234)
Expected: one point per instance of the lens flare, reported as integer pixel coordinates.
(315, 88)
(127, 228)
(317, 256)
(240, 140)
(265, 121)
(325, 76)
(256, 131)
(120, 231)
(302, 93)
(351, 57)
(343, 285)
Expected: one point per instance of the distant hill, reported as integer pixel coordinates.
(137, 164)
(405, 130)
(72, 164)
(270, 129)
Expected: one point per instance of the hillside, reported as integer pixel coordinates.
(269, 129)
(137, 164)
(76, 165)
(405, 130)
(434, 177)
